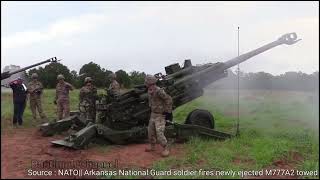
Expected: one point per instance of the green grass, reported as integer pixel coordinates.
(272, 126)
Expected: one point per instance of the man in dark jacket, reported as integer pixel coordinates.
(19, 100)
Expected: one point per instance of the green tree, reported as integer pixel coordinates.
(123, 78)
(94, 71)
(75, 79)
(137, 77)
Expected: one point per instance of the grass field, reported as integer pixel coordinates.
(275, 126)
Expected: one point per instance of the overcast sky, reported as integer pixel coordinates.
(147, 36)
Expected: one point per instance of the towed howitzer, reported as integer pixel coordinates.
(7, 74)
(124, 119)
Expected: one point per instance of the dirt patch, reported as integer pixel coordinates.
(130, 156)
(295, 156)
(24, 149)
(284, 168)
(241, 161)
(201, 162)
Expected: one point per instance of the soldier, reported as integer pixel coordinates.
(161, 110)
(62, 97)
(88, 96)
(19, 90)
(114, 87)
(35, 89)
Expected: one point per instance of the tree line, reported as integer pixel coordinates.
(297, 81)
(48, 75)
(261, 80)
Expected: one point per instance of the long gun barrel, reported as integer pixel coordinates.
(216, 69)
(7, 74)
(289, 39)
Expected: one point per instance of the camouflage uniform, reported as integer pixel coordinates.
(88, 96)
(62, 99)
(114, 87)
(35, 90)
(161, 110)
(159, 102)
(100, 113)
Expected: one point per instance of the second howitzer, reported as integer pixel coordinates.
(125, 118)
(7, 74)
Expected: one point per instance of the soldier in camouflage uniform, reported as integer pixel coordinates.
(62, 97)
(114, 87)
(161, 110)
(88, 96)
(35, 89)
(112, 91)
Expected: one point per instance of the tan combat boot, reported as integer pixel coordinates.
(150, 148)
(165, 152)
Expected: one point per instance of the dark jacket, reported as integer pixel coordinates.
(19, 92)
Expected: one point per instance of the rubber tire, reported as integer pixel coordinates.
(200, 117)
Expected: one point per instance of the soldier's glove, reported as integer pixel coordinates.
(168, 116)
(55, 102)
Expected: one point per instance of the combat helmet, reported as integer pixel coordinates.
(149, 80)
(60, 76)
(34, 76)
(87, 79)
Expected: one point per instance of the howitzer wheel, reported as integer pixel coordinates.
(200, 117)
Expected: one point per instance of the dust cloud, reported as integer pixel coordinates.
(288, 100)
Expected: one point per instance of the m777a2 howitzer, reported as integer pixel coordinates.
(7, 74)
(125, 118)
